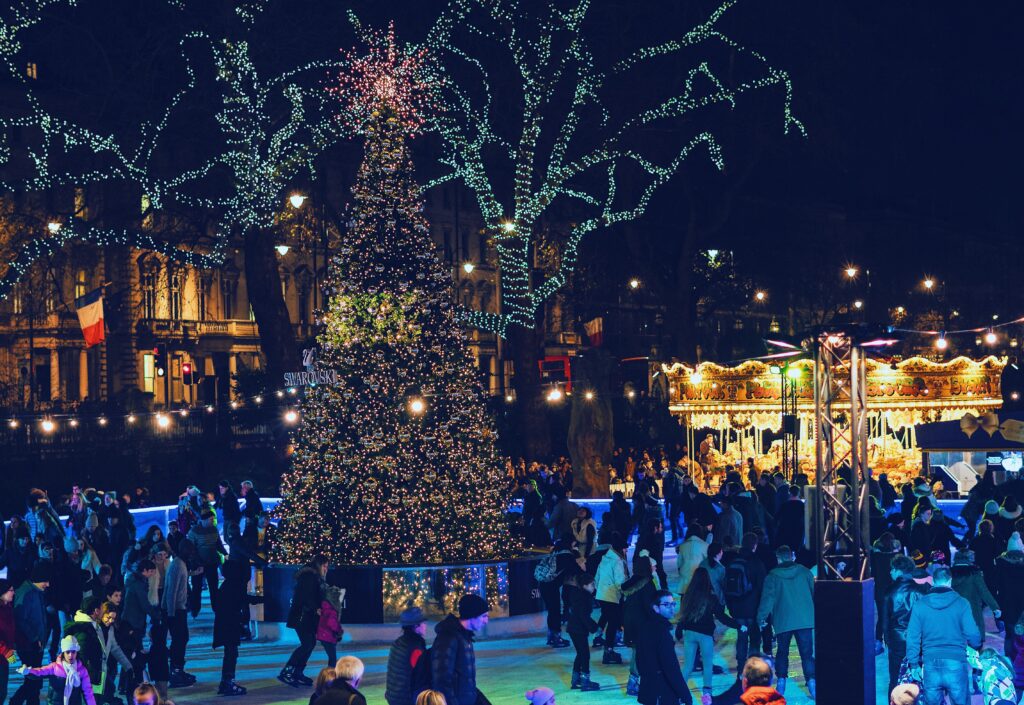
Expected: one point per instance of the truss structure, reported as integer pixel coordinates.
(843, 475)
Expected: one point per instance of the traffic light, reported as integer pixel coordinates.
(186, 373)
(160, 359)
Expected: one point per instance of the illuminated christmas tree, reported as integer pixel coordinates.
(397, 462)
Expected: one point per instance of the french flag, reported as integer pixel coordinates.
(90, 316)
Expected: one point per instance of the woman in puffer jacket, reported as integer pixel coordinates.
(611, 574)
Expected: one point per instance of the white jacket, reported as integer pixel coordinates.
(611, 573)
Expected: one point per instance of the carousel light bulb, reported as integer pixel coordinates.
(696, 378)
(793, 372)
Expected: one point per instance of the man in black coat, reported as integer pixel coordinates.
(895, 616)
(453, 665)
(403, 655)
(303, 617)
(744, 581)
(661, 680)
(343, 690)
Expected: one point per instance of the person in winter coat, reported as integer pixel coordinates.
(652, 540)
(716, 571)
(690, 554)
(210, 551)
(698, 507)
(756, 681)
(985, 547)
(227, 503)
(329, 629)
(1009, 512)
(637, 592)
(969, 583)
(113, 656)
(894, 616)
(883, 549)
(674, 486)
(231, 601)
(68, 675)
(304, 617)
(7, 635)
(729, 527)
(788, 596)
(19, 556)
(581, 625)
(611, 574)
(135, 609)
(31, 627)
(85, 628)
(661, 680)
(789, 519)
(1009, 572)
(1018, 660)
(344, 689)
(921, 533)
(453, 662)
(403, 655)
(174, 609)
(941, 628)
(562, 515)
(700, 609)
(550, 586)
(744, 582)
(584, 531)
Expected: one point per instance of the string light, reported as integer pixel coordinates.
(291, 416)
(991, 338)
(468, 267)
(162, 421)
(634, 283)
(556, 56)
(296, 199)
(941, 343)
(417, 406)
(131, 418)
(588, 395)
(48, 426)
(13, 423)
(103, 421)
(554, 395)
(73, 423)
(851, 272)
(760, 296)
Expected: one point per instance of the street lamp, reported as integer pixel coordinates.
(851, 272)
(508, 226)
(991, 337)
(634, 283)
(858, 304)
(282, 249)
(588, 395)
(53, 226)
(760, 296)
(417, 406)
(291, 416)
(555, 395)
(941, 343)
(296, 199)
(48, 426)
(468, 267)
(929, 283)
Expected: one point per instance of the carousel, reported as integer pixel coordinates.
(734, 413)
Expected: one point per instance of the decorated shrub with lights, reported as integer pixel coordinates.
(397, 462)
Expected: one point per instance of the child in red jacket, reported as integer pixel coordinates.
(329, 631)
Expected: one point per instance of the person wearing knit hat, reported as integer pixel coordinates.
(1009, 513)
(1009, 584)
(68, 676)
(541, 696)
(403, 655)
(453, 665)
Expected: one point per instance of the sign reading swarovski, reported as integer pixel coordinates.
(311, 376)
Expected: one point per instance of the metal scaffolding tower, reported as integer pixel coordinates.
(843, 475)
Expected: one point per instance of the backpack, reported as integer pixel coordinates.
(737, 582)
(422, 672)
(547, 568)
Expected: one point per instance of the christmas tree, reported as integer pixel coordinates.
(396, 463)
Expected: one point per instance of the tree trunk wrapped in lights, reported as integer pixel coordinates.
(397, 462)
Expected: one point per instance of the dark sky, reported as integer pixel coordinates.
(913, 112)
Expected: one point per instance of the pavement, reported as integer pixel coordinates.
(507, 666)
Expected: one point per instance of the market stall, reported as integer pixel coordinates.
(966, 449)
(732, 413)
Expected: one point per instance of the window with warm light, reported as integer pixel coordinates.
(81, 285)
(32, 70)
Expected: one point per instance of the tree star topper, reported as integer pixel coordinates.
(387, 81)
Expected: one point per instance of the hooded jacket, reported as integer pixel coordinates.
(661, 680)
(788, 596)
(611, 574)
(453, 664)
(86, 632)
(762, 695)
(55, 672)
(405, 651)
(941, 627)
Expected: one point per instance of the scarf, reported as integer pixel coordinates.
(71, 679)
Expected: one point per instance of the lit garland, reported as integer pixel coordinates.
(397, 462)
(262, 155)
(559, 54)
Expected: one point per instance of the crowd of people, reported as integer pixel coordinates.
(98, 612)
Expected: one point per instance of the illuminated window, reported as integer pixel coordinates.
(81, 208)
(148, 372)
(176, 280)
(31, 70)
(81, 287)
(18, 299)
(145, 208)
(148, 292)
